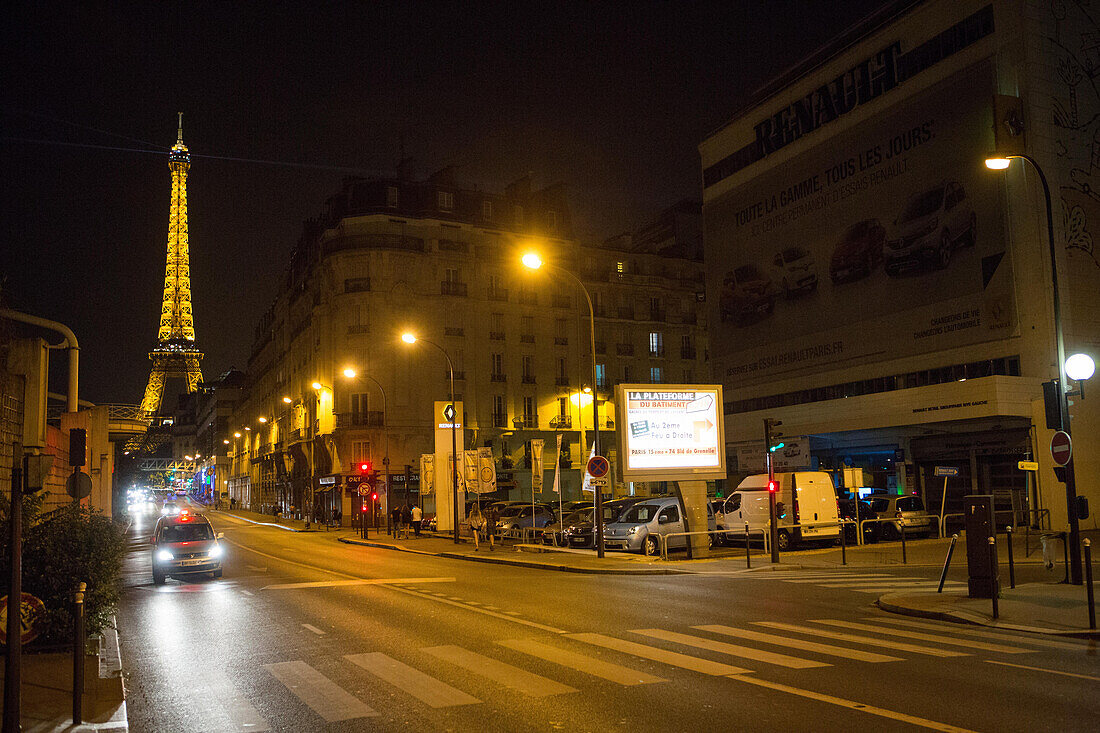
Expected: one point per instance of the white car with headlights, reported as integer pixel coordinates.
(185, 544)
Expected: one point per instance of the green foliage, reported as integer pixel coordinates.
(61, 549)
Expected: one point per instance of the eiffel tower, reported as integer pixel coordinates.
(175, 355)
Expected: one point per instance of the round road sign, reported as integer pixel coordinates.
(31, 612)
(598, 466)
(1061, 448)
(79, 485)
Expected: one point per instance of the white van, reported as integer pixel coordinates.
(805, 498)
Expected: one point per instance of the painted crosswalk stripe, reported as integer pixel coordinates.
(867, 640)
(733, 650)
(882, 589)
(921, 636)
(518, 679)
(581, 663)
(810, 646)
(322, 695)
(426, 689)
(838, 578)
(237, 713)
(685, 661)
(888, 587)
(1042, 669)
(971, 631)
(903, 581)
(314, 629)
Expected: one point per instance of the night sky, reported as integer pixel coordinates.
(610, 98)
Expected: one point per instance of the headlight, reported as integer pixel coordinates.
(164, 556)
(215, 551)
(634, 529)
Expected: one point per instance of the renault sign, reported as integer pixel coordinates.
(671, 431)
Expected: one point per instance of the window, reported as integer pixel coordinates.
(496, 283)
(563, 368)
(563, 406)
(453, 275)
(655, 375)
(487, 210)
(656, 344)
(528, 409)
(359, 407)
(528, 366)
(497, 364)
(561, 327)
(627, 373)
(360, 451)
(496, 322)
(689, 376)
(620, 268)
(601, 375)
(446, 200)
(552, 220)
(500, 415)
(391, 196)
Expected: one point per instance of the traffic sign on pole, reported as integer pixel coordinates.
(598, 466)
(1028, 465)
(946, 471)
(1061, 448)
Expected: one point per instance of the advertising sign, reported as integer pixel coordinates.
(671, 431)
(471, 474)
(488, 468)
(883, 240)
(427, 472)
(536, 464)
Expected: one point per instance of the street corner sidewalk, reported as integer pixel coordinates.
(1041, 608)
(267, 520)
(575, 562)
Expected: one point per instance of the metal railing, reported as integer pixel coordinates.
(662, 539)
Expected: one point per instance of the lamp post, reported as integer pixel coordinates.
(410, 338)
(1002, 162)
(318, 389)
(534, 262)
(351, 374)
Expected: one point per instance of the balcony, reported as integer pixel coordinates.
(528, 379)
(369, 419)
(500, 420)
(687, 352)
(496, 335)
(454, 331)
(624, 349)
(561, 341)
(562, 381)
(450, 245)
(296, 435)
(527, 338)
(603, 383)
(657, 353)
(689, 318)
(562, 422)
(358, 328)
(528, 298)
(357, 285)
(625, 313)
(560, 301)
(452, 287)
(498, 378)
(497, 294)
(526, 421)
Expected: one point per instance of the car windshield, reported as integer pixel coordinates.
(880, 505)
(511, 511)
(910, 504)
(186, 533)
(641, 513)
(922, 205)
(584, 516)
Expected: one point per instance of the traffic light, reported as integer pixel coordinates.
(78, 446)
(773, 486)
(365, 467)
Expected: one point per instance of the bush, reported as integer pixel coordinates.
(61, 549)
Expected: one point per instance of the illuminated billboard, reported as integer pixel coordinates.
(671, 431)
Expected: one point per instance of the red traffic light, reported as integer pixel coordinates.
(773, 486)
(365, 467)
(373, 497)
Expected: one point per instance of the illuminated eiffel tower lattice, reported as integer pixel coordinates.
(175, 355)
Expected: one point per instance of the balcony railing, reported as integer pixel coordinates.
(527, 338)
(355, 328)
(657, 353)
(562, 381)
(497, 293)
(528, 298)
(528, 379)
(459, 375)
(496, 335)
(624, 349)
(561, 341)
(369, 419)
(687, 352)
(625, 313)
(452, 287)
(498, 377)
(562, 422)
(656, 314)
(295, 435)
(526, 421)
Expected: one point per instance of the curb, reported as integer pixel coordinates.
(264, 524)
(518, 563)
(966, 620)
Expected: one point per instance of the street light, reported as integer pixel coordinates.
(1001, 162)
(411, 338)
(262, 419)
(532, 261)
(351, 374)
(1080, 367)
(287, 400)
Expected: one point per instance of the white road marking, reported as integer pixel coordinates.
(357, 581)
(733, 650)
(322, 695)
(256, 568)
(237, 713)
(869, 641)
(888, 583)
(505, 674)
(1049, 671)
(810, 646)
(971, 631)
(581, 663)
(685, 661)
(430, 691)
(435, 597)
(314, 629)
(246, 592)
(852, 705)
(838, 578)
(920, 636)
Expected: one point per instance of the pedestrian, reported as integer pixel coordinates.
(490, 524)
(406, 520)
(477, 525)
(417, 518)
(395, 520)
(338, 515)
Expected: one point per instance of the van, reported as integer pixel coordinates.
(805, 498)
(639, 527)
(185, 544)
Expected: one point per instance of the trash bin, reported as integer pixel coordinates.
(1050, 544)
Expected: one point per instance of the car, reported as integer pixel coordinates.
(517, 516)
(574, 530)
(908, 511)
(859, 251)
(847, 509)
(185, 544)
(747, 295)
(794, 268)
(169, 509)
(640, 526)
(569, 507)
(932, 224)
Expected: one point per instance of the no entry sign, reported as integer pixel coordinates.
(1061, 448)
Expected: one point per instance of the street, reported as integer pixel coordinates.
(306, 633)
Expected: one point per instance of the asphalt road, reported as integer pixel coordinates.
(304, 633)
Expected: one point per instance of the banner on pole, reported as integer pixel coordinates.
(536, 464)
(427, 472)
(458, 472)
(470, 473)
(557, 467)
(586, 484)
(487, 468)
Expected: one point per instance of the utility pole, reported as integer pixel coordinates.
(12, 661)
(773, 519)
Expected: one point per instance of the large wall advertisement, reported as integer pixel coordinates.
(883, 241)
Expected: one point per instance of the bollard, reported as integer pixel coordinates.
(1011, 565)
(748, 555)
(947, 562)
(1065, 555)
(843, 546)
(904, 560)
(78, 654)
(993, 574)
(1088, 584)
(1027, 540)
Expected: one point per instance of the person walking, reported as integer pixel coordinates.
(395, 520)
(417, 518)
(406, 520)
(490, 524)
(477, 525)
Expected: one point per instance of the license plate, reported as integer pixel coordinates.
(198, 561)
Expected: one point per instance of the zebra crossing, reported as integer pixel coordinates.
(600, 658)
(877, 583)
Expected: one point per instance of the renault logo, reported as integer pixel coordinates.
(449, 413)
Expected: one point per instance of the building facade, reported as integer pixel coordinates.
(875, 287)
(442, 261)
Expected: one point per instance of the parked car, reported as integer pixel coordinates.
(806, 505)
(871, 530)
(932, 224)
(518, 516)
(574, 530)
(908, 511)
(859, 251)
(795, 270)
(747, 294)
(640, 526)
(185, 544)
(569, 507)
